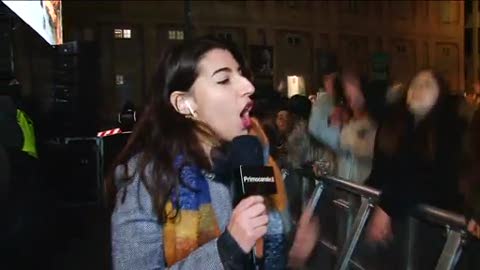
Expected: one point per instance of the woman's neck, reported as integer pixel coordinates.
(417, 119)
(208, 140)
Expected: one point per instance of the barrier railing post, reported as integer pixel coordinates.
(454, 223)
(358, 225)
(410, 243)
(317, 193)
(451, 250)
(307, 185)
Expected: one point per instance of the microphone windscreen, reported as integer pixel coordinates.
(246, 150)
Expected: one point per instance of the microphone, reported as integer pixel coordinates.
(251, 177)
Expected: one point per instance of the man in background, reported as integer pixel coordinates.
(23, 234)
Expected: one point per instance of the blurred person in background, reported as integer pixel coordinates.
(396, 93)
(301, 147)
(267, 106)
(471, 189)
(376, 101)
(418, 154)
(341, 122)
(127, 117)
(303, 151)
(471, 180)
(284, 125)
(474, 97)
(347, 129)
(27, 212)
(267, 103)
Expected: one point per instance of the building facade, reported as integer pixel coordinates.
(398, 37)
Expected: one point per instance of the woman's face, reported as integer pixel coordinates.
(221, 95)
(353, 93)
(329, 83)
(283, 122)
(423, 93)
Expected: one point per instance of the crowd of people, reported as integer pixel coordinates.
(417, 142)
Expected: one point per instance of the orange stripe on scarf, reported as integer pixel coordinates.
(187, 231)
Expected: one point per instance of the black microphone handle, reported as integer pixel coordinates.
(245, 150)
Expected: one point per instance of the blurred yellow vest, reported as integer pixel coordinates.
(26, 124)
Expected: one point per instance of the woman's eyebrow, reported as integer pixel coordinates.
(226, 69)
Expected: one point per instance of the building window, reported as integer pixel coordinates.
(293, 40)
(175, 35)
(446, 51)
(122, 33)
(353, 45)
(118, 33)
(127, 33)
(352, 7)
(119, 80)
(401, 48)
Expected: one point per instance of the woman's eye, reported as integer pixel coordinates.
(224, 81)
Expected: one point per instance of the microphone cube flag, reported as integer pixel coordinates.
(257, 180)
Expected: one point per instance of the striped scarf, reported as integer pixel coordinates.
(195, 223)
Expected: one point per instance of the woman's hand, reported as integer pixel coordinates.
(339, 117)
(305, 240)
(474, 228)
(380, 228)
(249, 222)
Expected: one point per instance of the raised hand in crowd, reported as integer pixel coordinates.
(380, 227)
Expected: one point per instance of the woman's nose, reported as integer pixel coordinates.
(246, 88)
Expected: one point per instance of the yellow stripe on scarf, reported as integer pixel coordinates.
(189, 230)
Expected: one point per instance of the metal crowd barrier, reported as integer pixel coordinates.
(454, 224)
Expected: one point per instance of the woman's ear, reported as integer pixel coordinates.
(182, 102)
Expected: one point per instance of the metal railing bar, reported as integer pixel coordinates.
(354, 188)
(451, 251)
(342, 204)
(334, 250)
(434, 214)
(454, 223)
(351, 243)
(440, 216)
(317, 193)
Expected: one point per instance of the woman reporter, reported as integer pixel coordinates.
(172, 210)
(164, 213)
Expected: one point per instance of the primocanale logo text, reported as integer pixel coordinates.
(250, 179)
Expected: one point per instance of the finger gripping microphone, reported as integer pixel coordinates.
(251, 177)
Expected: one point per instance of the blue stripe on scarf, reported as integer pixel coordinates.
(194, 191)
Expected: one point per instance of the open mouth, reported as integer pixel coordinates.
(245, 115)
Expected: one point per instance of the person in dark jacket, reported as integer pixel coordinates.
(472, 177)
(418, 154)
(25, 232)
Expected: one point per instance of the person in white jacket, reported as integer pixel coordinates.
(348, 130)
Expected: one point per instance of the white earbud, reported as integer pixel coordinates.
(192, 112)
